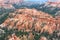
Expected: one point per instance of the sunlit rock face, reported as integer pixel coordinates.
(29, 19)
(43, 38)
(1, 1)
(55, 0)
(29, 24)
(53, 3)
(10, 1)
(14, 1)
(7, 4)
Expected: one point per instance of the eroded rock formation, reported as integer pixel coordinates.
(31, 20)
